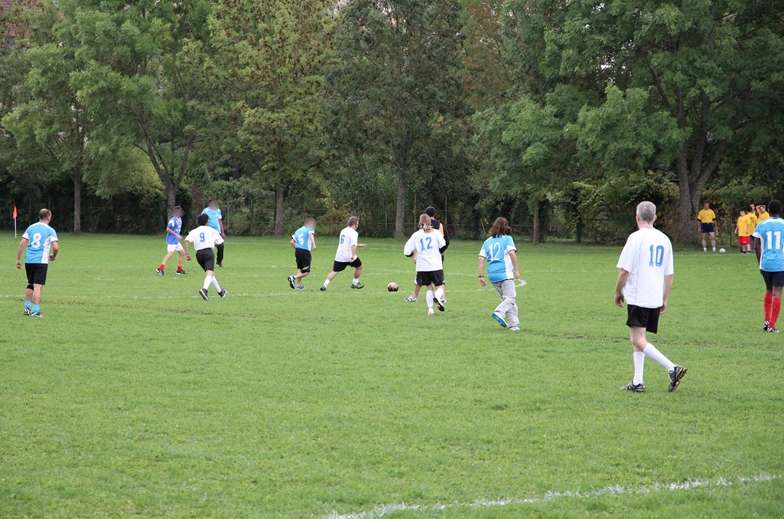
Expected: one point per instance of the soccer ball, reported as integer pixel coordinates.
(393, 287)
(722, 250)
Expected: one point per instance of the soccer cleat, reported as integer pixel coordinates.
(439, 304)
(160, 271)
(292, 284)
(300, 287)
(27, 311)
(222, 293)
(357, 286)
(515, 329)
(771, 329)
(204, 294)
(499, 319)
(676, 375)
(323, 288)
(411, 299)
(765, 326)
(635, 388)
(180, 273)
(430, 312)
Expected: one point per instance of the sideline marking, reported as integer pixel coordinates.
(554, 495)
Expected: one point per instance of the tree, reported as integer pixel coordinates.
(275, 54)
(713, 67)
(398, 72)
(138, 79)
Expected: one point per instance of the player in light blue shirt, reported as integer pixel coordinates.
(500, 254)
(304, 241)
(173, 239)
(769, 246)
(40, 247)
(216, 222)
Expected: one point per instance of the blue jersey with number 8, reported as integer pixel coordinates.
(40, 237)
(771, 236)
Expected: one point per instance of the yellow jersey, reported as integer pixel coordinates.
(762, 217)
(752, 221)
(706, 216)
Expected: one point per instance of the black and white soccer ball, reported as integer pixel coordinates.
(393, 287)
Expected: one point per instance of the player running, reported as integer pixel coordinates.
(500, 253)
(428, 244)
(644, 284)
(204, 238)
(216, 222)
(173, 239)
(40, 245)
(346, 255)
(438, 226)
(708, 226)
(769, 246)
(304, 241)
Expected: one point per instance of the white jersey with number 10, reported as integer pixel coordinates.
(647, 257)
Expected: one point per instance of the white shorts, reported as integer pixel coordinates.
(177, 247)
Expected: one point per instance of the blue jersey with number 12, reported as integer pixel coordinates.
(301, 238)
(771, 235)
(496, 251)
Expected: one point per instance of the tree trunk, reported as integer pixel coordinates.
(171, 196)
(280, 199)
(685, 228)
(535, 231)
(400, 206)
(77, 207)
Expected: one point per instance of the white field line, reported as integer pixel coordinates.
(555, 495)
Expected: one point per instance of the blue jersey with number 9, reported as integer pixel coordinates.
(771, 236)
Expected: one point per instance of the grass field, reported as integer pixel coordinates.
(134, 398)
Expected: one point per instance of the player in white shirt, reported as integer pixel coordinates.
(204, 238)
(428, 244)
(346, 255)
(644, 284)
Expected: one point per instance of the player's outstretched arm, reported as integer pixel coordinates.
(623, 276)
(22, 246)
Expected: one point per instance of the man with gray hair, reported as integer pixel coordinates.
(645, 272)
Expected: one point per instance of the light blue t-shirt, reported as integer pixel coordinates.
(771, 234)
(496, 251)
(40, 237)
(301, 238)
(215, 217)
(175, 224)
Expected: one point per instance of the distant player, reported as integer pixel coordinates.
(500, 253)
(438, 226)
(40, 246)
(762, 214)
(304, 241)
(752, 221)
(708, 226)
(769, 246)
(428, 244)
(742, 229)
(216, 222)
(346, 255)
(644, 284)
(204, 238)
(173, 239)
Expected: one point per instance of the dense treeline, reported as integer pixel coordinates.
(559, 114)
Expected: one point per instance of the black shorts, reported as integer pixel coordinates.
(340, 266)
(36, 274)
(707, 228)
(772, 279)
(206, 259)
(303, 258)
(435, 277)
(639, 317)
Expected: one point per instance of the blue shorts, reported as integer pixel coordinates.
(707, 228)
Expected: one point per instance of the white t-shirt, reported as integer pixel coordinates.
(348, 238)
(647, 257)
(426, 245)
(204, 237)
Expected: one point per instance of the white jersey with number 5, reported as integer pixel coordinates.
(427, 246)
(348, 238)
(647, 257)
(204, 237)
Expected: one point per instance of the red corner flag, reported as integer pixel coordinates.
(14, 214)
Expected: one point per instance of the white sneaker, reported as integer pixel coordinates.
(515, 329)
(430, 312)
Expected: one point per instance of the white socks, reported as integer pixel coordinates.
(355, 282)
(440, 293)
(326, 282)
(429, 298)
(651, 351)
(215, 283)
(207, 280)
(639, 365)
